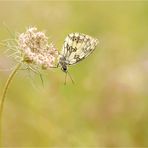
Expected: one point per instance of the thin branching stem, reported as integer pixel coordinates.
(7, 84)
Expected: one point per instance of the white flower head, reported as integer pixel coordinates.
(35, 48)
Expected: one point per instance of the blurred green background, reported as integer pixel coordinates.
(108, 105)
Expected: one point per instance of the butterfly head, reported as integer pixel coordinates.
(64, 68)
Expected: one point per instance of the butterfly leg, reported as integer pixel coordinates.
(55, 66)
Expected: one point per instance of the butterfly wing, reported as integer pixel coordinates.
(78, 46)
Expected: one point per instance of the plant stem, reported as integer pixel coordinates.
(7, 84)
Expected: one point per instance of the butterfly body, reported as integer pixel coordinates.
(62, 63)
(77, 46)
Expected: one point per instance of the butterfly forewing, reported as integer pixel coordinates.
(77, 46)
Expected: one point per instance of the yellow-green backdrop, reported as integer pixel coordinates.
(107, 105)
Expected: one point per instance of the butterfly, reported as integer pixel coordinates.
(76, 47)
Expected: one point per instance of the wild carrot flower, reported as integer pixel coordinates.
(32, 48)
(35, 48)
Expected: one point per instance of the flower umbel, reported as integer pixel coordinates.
(31, 48)
(35, 48)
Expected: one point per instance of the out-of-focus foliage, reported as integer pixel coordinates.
(108, 105)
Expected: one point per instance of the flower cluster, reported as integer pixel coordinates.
(36, 49)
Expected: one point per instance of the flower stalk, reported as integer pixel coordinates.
(12, 74)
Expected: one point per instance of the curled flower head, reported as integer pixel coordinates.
(35, 48)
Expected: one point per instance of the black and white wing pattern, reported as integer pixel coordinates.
(77, 46)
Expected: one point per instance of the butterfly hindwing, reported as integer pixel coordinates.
(78, 46)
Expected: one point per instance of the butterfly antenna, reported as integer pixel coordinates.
(65, 78)
(70, 77)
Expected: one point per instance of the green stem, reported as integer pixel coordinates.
(7, 84)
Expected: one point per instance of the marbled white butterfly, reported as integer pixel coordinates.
(77, 46)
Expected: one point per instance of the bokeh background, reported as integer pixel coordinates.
(108, 105)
